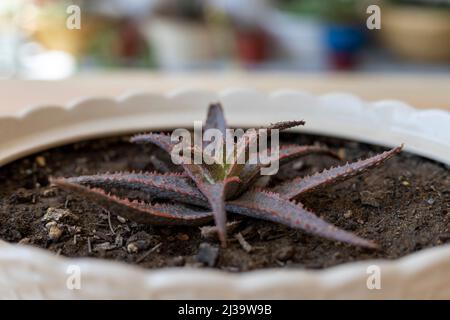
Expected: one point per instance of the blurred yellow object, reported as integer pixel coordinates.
(417, 33)
(51, 31)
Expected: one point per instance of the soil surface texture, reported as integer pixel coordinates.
(404, 206)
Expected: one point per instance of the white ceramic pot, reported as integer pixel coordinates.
(179, 45)
(293, 32)
(27, 272)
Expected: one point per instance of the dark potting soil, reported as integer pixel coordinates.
(404, 206)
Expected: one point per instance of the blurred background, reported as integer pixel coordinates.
(253, 35)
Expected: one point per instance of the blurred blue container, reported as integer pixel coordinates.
(345, 38)
(344, 41)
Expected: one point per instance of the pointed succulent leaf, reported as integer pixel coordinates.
(214, 167)
(294, 188)
(286, 154)
(216, 119)
(164, 165)
(198, 172)
(292, 152)
(214, 191)
(158, 214)
(242, 148)
(159, 139)
(175, 187)
(216, 194)
(284, 125)
(164, 142)
(205, 179)
(237, 158)
(270, 206)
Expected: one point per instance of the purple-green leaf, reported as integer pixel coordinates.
(286, 154)
(242, 148)
(204, 178)
(159, 139)
(294, 188)
(292, 152)
(271, 206)
(158, 214)
(216, 119)
(284, 125)
(175, 187)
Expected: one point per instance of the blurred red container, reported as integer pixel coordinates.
(251, 45)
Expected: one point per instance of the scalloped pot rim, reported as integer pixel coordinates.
(27, 272)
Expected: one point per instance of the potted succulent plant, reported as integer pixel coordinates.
(221, 186)
(146, 219)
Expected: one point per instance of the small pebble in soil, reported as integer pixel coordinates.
(348, 214)
(25, 241)
(54, 214)
(47, 193)
(139, 241)
(132, 248)
(40, 160)
(182, 237)
(342, 153)
(430, 201)
(121, 219)
(207, 254)
(49, 224)
(285, 253)
(368, 198)
(105, 246)
(208, 232)
(55, 232)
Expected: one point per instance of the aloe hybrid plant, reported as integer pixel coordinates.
(205, 192)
